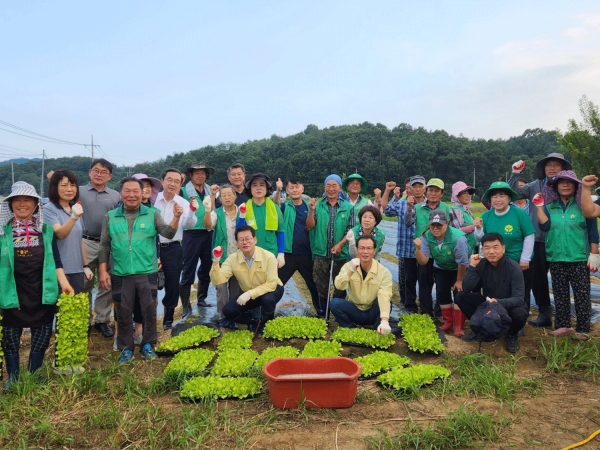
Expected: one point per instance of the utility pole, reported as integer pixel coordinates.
(474, 177)
(42, 177)
(12, 169)
(92, 146)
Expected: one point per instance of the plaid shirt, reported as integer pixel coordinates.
(405, 246)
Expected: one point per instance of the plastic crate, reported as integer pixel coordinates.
(312, 382)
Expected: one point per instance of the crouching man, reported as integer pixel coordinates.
(369, 287)
(255, 270)
(129, 233)
(502, 281)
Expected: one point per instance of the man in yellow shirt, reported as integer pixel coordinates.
(369, 290)
(255, 270)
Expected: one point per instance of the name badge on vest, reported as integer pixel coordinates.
(142, 225)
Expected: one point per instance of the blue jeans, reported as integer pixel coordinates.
(348, 315)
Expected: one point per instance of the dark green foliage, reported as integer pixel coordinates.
(380, 154)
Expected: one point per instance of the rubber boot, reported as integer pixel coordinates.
(544, 318)
(459, 322)
(202, 294)
(35, 362)
(184, 295)
(12, 370)
(448, 317)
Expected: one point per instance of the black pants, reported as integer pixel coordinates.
(426, 280)
(242, 314)
(529, 280)
(409, 295)
(124, 290)
(539, 266)
(171, 258)
(197, 245)
(444, 284)
(469, 301)
(304, 265)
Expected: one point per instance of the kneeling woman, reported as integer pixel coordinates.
(569, 239)
(369, 217)
(30, 267)
(448, 248)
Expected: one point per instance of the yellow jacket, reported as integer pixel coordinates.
(363, 292)
(259, 280)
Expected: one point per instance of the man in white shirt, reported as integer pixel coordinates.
(171, 256)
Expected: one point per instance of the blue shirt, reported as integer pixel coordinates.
(300, 241)
(405, 246)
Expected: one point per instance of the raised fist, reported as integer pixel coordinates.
(518, 166)
(217, 253)
(538, 199)
(390, 185)
(193, 204)
(354, 264)
(76, 210)
(207, 203)
(242, 210)
(589, 180)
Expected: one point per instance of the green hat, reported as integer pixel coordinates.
(355, 176)
(436, 182)
(499, 185)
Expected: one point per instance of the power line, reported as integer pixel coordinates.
(49, 138)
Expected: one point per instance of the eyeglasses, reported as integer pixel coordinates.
(247, 239)
(173, 180)
(100, 172)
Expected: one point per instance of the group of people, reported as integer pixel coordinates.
(503, 256)
(241, 238)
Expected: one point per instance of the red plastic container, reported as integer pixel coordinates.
(313, 382)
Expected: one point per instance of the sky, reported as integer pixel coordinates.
(151, 78)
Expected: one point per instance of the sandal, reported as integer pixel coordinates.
(581, 336)
(563, 331)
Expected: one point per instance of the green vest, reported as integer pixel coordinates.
(185, 192)
(9, 298)
(567, 239)
(360, 204)
(443, 255)
(468, 220)
(422, 216)
(138, 255)
(289, 219)
(379, 238)
(318, 235)
(220, 232)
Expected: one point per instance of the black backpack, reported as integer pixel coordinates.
(490, 321)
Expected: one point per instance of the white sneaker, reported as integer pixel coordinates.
(115, 348)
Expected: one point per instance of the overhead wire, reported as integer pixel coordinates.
(51, 139)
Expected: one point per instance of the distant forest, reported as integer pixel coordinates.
(378, 153)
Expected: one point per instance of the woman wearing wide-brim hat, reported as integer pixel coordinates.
(30, 275)
(515, 227)
(570, 240)
(545, 169)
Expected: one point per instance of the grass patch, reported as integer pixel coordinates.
(389, 257)
(566, 355)
(466, 427)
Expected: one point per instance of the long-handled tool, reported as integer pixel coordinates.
(329, 292)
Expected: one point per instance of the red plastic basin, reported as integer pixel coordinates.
(313, 382)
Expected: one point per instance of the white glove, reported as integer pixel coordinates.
(350, 238)
(280, 260)
(207, 203)
(354, 264)
(243, 299)
(518, 166)
(384, 327)
(88, 274)
(594, 262)
(76, 211)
